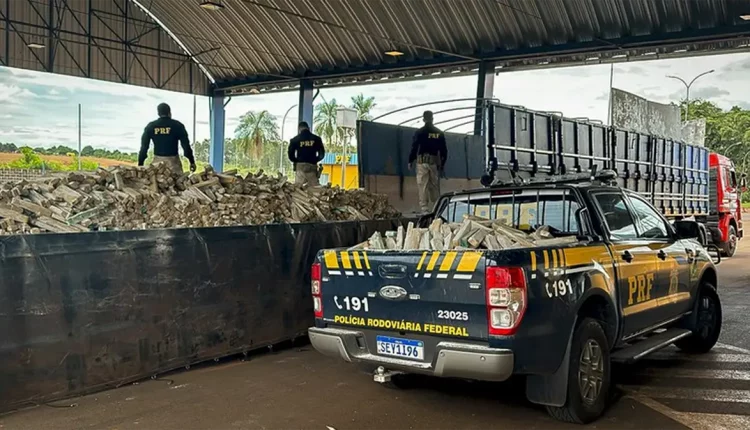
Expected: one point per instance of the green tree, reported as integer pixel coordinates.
(87, 151)
(727, 132)
(325, 123)
(363, 105)
(200, 149)
(255, 131)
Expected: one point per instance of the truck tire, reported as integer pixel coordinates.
(589, 375)
(729, 247)
(707, 325)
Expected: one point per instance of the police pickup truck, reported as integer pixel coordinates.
(560, 316)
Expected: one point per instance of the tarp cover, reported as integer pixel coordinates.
(81, 312)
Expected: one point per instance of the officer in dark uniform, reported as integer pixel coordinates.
(166, 133)
(430, 152)
(305, 152)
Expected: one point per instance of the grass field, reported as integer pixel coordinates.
(63, 159)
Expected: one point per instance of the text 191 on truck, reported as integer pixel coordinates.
(632, 284)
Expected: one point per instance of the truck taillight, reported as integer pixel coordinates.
(315, 286)
(506, 299)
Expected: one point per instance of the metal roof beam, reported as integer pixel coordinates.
(357, 31)
(622, 44)
(175, 38)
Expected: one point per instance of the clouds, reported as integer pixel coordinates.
(13, 94)
(42, 109)
(736, 70)
(709, 93)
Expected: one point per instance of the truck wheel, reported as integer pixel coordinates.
(708, 323)
(588, 376)
(729, 247)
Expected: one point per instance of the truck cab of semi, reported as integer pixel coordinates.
(725, 203)
(629, 284)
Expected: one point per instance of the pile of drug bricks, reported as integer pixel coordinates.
(134, 198)
(473, 233)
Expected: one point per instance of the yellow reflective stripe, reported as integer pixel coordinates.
(469, 261)
(655, 303)
(640, 307)
(433, 260)
(672, 299)
(533, 261)
(357, 263)
(367, 261)
(561, 258)
(554, 258)
(421, 261)
(448, 261)
(345, 262)
(330, 259)
(546, 259)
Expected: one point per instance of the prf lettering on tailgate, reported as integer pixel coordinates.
(639, 288)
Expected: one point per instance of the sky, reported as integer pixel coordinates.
(41, 109)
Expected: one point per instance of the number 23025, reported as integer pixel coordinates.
(453, 315)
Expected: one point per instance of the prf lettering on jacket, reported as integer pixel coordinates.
(433, 135)
(162, 130)
(304, 143)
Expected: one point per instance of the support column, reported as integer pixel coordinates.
(216, 149)
(305, 104)
(485, 89)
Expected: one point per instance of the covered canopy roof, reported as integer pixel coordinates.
(262, 45)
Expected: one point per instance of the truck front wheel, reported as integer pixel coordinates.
(707, 326)
(730, 246)
(588, 376)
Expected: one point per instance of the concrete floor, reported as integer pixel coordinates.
(298, 388)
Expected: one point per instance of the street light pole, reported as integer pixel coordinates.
(281, 145)
(687, 87)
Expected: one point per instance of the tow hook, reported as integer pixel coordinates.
(384, 376)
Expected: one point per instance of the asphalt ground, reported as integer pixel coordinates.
(299, 389)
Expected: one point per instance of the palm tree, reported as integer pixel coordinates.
(255, 131)
(325, 121)
(363, 105)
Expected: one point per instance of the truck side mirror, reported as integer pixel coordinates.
(743, 182)
(688, 229)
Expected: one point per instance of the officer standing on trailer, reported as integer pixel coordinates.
(166, 134)
(305, 152)
(430, 152)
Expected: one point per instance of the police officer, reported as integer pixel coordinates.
(166, 133)
(430, 152)
(305, 152)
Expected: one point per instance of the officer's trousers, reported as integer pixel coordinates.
(306, 173)
(427, 183)
(173, 162)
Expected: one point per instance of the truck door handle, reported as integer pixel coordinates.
(662, 255)
(627, 256)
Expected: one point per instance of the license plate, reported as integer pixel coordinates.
(404, 348)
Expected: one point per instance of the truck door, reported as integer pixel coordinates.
(672, 289)
(635, 263)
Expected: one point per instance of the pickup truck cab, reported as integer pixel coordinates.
(633, 283)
